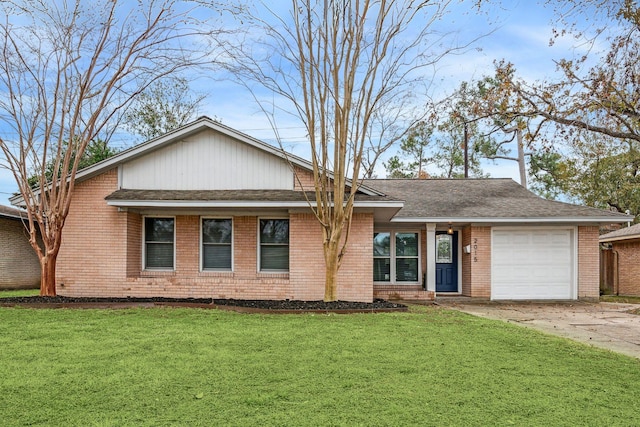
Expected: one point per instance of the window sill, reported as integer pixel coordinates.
(397, 284)
(217, 273)
(157, 273)
(272, 275)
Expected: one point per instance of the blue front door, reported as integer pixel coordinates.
(446, 261)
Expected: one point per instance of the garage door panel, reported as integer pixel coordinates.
(532, 264)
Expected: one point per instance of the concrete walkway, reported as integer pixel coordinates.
(604, 325)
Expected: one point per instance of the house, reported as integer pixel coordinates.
(19, 265)
(624, 254)
(206, 211)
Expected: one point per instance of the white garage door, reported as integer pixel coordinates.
(532, 264)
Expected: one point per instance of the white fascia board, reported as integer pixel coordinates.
(371, 204)
(15, 200)
(516, 220)
(234, 204)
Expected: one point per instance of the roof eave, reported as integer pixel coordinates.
(238, 204)
(16, 199)
(513, 220)
(13, 217)
(619, 238)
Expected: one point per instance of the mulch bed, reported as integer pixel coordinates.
(244, 306)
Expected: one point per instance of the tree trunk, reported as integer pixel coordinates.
(521, 163)
(48, 276)
(331, 271)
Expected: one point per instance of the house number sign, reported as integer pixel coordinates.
(475, 250)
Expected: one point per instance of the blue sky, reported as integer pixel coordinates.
(521, 31)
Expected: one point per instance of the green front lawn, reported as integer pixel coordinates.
(19, 293)
(190, 367)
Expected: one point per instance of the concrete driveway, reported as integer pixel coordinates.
(605, 325)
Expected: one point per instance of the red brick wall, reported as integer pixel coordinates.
(133, 244)
(355, 277)
(93, 255)
(466, 262)
(628, 267)
(19, 265)
(245, 243)
(303, 179)
(588, 262)
(477, 278)
(101, 255)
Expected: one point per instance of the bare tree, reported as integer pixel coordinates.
(337, 62)
(66, 69)
(390, 122)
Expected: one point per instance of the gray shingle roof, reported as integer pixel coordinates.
(626, 233)
(9, 212)
(434, 199)
(491, 198)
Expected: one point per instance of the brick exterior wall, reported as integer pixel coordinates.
(476, 266)
(355, 277)
(588, 263)
(303, 179)
(465, 238)
(19, 265)
(101, 255)
(133, 244)
(628, 267)
(93, 255)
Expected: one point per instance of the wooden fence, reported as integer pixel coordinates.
(608, 271)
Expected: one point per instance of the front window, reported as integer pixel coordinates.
(396, 257)
(407, 257)
(381, 257)
(216, 244)
(274, 245)
(159, 242)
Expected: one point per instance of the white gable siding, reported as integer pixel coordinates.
(207, 161)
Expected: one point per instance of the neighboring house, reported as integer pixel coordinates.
(206, 211)
(19, 265)
(623, 260)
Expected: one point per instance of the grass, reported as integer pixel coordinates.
(620, 299)
(430, 366)
(19, 293)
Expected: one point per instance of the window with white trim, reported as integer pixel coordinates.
(217, 251)
(159, 243)
(396, 257)
(382, 257)
(274, 244)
